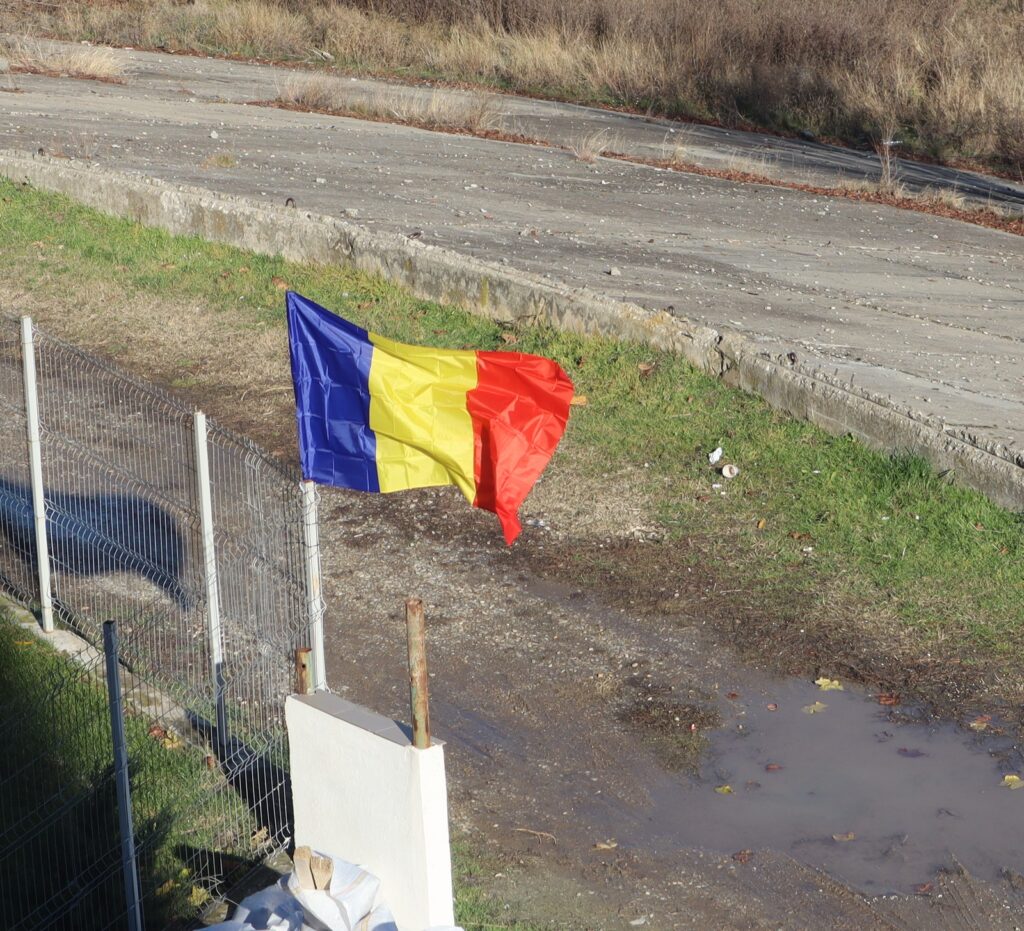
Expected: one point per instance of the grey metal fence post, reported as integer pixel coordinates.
(35, 459)
(129, 865)
(210, 572)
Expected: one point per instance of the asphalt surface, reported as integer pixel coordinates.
(924, 310)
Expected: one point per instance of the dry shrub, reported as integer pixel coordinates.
(99, 64)
(475, 114)
(314, 92)
(265, 30)
(353, 37)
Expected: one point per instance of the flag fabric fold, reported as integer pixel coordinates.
(377, 415)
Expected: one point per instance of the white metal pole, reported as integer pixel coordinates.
(210, 572)
(35, 459)
(314, 586)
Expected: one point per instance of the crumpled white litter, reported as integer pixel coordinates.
(349, 905)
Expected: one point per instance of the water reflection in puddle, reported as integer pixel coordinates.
(877, 803)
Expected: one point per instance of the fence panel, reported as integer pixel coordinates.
(123, 519)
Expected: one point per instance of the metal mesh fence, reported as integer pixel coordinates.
(125, 536)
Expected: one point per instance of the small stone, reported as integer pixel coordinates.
(321, 180)
(615, 272)
(214, 134)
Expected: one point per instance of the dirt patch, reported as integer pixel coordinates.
(674, 729)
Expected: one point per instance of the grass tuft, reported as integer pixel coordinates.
(590, 147)
(475, 114)
(97, 64)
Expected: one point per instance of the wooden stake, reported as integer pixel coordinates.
(418, 695)
(302, 679)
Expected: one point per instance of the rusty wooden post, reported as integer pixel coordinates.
(418, 696)
(302, 658)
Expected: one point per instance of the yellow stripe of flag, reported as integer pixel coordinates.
(418, 412)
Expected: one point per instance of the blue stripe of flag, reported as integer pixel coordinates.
(331, 371)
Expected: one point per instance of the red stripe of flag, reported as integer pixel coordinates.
(519, 409)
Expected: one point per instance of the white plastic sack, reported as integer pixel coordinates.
(380, 919)
(273, 908)
(350, 899)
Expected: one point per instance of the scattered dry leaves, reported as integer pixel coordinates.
(828, 685)
(816, 708)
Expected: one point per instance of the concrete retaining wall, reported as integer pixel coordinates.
(505, 294)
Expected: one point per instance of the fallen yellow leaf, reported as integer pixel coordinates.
(198, 897)
(815, 708)
(828, 685)
(723, 790)
(23, 643)
(843, 838)
(1012, 781)
(761, 524)
(579, 400)
(166, 887)
(606, 845)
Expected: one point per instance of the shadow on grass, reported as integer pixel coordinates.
(60, 857)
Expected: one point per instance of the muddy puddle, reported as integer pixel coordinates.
(864, 792)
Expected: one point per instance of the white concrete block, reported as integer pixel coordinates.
(362, 792)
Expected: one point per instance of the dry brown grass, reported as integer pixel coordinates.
(592, 146)
(947, 74)
(222, 159)
(98, 64)
(476, 114)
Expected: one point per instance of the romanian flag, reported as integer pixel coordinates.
(376, 415)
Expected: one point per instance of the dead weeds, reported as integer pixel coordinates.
(88, 63)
